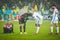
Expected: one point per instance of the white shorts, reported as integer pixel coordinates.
(38, 21)
(54, 21)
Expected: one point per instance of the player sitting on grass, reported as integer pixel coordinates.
(54, 19)
(38, 19)
(8, 27)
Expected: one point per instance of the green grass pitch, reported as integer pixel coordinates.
(30, 28)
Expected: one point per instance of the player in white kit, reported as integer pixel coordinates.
(54, 19)
(38, 19)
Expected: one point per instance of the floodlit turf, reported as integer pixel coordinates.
(43, 33)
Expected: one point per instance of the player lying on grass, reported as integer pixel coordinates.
(38, 19)
(54, 19)
(8, 27)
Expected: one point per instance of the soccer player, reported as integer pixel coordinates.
(23, 16)
(38, 19)
(22, 21)
(8, 27)
(54, 19)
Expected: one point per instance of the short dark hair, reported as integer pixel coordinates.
(54, 5)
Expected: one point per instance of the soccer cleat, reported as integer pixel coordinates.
(21, 33)
(25, 32)
(51, 32)
(57, 33)
(36, 33)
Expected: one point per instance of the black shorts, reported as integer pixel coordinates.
(22, 21)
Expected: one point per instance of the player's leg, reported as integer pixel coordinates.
(56, 23)
(20, 22)
(57, 27)
(21, 25)
(24, 28)
(51, 27)
(20, 28)
(37, 26)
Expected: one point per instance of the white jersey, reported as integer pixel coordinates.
(55, 13)
(55, 16)
(38, 17)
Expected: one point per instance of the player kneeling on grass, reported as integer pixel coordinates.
(8, 27)
(54, 18)
(38, 19)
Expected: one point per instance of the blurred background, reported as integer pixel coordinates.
(9, 9)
